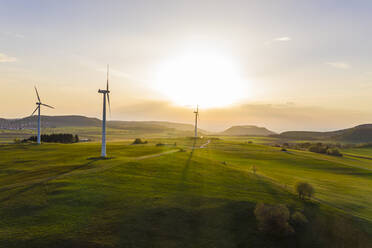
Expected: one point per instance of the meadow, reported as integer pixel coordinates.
(64, 195)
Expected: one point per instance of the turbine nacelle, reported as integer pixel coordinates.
(103, 91)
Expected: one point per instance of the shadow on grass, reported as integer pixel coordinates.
(187, 165)
(99, 158)
(45, 180)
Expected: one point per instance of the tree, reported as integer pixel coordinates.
(318, 148)
(138, 141)
(304, 190)
(273, 219)
(254, 169)
(298, 219)
(334, 152)
(54, 138)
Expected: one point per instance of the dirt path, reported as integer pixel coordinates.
(204, 145)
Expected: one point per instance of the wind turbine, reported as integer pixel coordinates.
(105, 92)
(39, 103)
(196, 120)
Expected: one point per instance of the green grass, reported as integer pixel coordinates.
(56, 195)
(343, 182)
(364, 152)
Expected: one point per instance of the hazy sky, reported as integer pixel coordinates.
(300, 65)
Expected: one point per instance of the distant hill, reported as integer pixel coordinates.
(50, 122)
(247, 130)
(83, 121)
(361, 133)
(151, 125)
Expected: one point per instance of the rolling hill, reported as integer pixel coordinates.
(90, 128)
(62, 195)
(30, 122)
(361, 133)
(247, 130)
(83, 121)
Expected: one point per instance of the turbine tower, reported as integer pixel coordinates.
(196, 120)
(105, 93)
(39, 103)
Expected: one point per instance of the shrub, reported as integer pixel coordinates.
(160, 144)
(334, 152)
(273, 219)
(304, 190)
(138, 141)
(299, 219)
(254, 169)
(284, 150)
(318, 148)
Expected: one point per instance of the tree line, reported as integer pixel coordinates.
(55, 138)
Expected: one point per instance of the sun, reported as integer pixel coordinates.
(200, 77)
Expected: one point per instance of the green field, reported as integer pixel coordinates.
(56, 195)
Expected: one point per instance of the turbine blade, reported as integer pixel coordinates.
(46, 105)
(37, 94)
(108, 100)
(34, 111)
(107, 85)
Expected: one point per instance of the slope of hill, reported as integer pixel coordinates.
(90, 128)
(83, 121)
(61, 195)
(361, 133)
(247, 130)
(151, 125)
(50, 122)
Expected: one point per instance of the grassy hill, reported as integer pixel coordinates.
(90, 128)
(358, 134)
(246, 130)
(56, 195)
(50, 122)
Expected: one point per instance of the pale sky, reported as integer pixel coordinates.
(285, 65)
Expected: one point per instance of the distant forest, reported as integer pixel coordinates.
(55, 138)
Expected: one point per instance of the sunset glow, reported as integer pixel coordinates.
(200, 77)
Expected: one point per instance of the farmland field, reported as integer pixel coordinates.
(170, 195)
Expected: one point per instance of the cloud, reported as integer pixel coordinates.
(19, 36)
(5, 58)
(12, 35)
(278, 39)
(339, 65)
(122, 74)
(285, 38)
